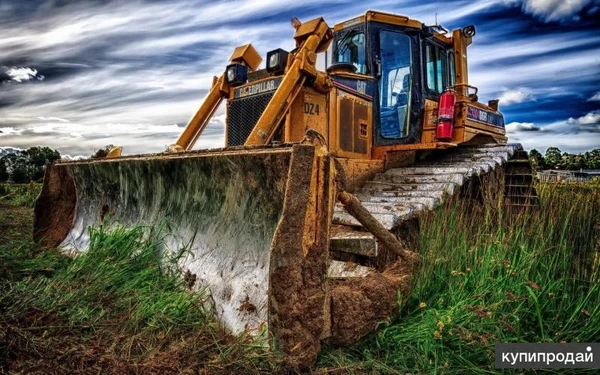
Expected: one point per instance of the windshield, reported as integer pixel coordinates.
(350, 48)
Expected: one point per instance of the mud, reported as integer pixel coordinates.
(359, 305)
(55, 208)
(298, 304)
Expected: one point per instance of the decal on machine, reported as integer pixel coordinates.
(312, 108)
(355, 86)
(257, 88)
(484, 117)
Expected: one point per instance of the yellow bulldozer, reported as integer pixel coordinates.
(305, 226)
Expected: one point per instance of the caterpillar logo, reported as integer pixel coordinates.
(257, 88)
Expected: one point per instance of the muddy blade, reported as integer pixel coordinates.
(252, 233)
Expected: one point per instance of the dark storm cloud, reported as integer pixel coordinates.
(132, 73)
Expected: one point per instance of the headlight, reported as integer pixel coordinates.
(276, 61)
(231, 74)
(273, 60)
(236, 74)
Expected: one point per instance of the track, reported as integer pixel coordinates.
(401, 194)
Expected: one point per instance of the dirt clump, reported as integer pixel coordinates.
(359, 305)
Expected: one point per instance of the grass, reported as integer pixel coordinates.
(490, 276)
(121, 307)
(19, 194)
(487, 276)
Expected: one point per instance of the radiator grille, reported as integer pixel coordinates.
(242, 116)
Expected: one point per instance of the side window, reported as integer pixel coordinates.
(351, 49)
(436, 65)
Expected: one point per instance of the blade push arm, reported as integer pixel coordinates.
(198, 123)
(312, 37)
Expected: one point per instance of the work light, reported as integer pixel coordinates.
(469, 31)
(236, 74)
(276, 61)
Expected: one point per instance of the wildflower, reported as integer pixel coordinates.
(454, 272)
(489, 314)
(440, 325)
(448, 319)
(422, 305)
(437, 335)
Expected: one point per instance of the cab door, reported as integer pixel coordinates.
(394, 122)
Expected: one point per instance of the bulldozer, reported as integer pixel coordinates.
(304, 227)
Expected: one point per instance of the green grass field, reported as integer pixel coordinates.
(487, 276)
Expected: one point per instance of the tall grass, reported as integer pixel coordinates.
(493, 276)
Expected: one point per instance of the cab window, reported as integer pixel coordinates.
(436, 66)
(350, 48)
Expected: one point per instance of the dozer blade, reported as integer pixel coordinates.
(254, 220)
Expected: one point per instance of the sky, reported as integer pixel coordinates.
(78, 75)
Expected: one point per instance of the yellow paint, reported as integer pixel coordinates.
(246, 55)
(306, 100)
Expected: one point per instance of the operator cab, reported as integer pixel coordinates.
(399, 62)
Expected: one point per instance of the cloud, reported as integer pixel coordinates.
(132, 73)
(23, 74)
(516, 96)
(589, 119)
(552, 10)
(515, 127)
(73, 157)
(52, 119)
(569, 138)
(10, 131)
(595, 97)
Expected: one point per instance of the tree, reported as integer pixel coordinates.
(553, 157)
(592, 159)
(38, 158)
(29, 165)
(20, 169)
(3, 170)
(537, 160)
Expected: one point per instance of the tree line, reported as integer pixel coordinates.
(27, 165)
(555, 159)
